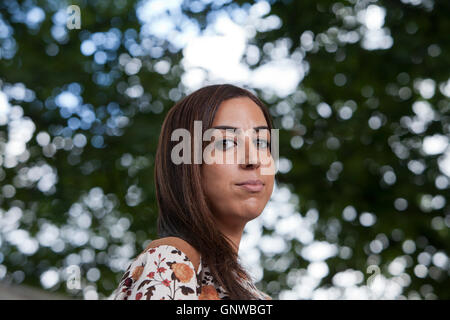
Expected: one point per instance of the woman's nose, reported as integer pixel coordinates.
(250, 157)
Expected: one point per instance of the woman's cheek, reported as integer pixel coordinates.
(267, 167)
(217, 180)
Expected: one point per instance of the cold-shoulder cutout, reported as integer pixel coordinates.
(171, 269)
(182, 245)
(163, 272)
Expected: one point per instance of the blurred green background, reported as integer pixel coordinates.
(359, 90)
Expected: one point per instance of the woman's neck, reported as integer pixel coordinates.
(233, 233)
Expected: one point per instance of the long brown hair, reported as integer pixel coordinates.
(183, 208)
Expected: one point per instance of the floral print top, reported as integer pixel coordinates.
(166, 273)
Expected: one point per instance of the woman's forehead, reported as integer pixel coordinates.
(242, 113)
(230, 129)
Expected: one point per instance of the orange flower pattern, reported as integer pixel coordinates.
(166, 273)
(182, 271)
(137, 272)
(208, 293)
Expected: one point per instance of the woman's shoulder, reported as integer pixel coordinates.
(180, 246)
(161, 271)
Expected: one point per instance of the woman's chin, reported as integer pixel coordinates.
(251, 213)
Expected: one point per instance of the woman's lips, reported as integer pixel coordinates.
(251, 185)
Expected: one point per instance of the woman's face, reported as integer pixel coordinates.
(238, 190)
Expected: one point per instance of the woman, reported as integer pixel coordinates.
(204, 207)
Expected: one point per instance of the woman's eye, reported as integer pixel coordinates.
(261, 143)
(225, 144)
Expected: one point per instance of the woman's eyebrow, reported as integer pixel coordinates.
(234, 128)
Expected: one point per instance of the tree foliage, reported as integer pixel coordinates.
(354, 133)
